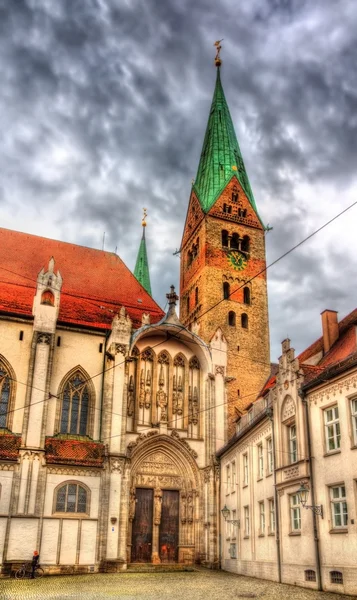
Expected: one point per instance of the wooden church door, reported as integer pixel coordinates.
(141, 548)
(169, 527)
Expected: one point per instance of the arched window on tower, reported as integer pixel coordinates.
(196, 296)
(246, 243)
(188, 304)
(226, 290)
(244, 321)
(48, 298)
(225, 238)
(232, 318)
(235, 241)
(246, 295)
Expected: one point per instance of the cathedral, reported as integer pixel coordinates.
(112, 412)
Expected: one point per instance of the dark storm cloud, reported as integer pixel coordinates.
(104, 106)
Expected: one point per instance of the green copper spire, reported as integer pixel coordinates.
(141, 270)
(221, 157)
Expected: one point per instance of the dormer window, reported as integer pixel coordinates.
(48, 298)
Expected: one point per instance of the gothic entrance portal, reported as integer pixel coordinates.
(163, 501)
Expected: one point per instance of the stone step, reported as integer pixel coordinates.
(162, 568)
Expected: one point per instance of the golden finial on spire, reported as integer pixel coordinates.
(217, 60)
(143, 222)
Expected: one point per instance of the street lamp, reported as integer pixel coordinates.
(303, 494)
(225, 514)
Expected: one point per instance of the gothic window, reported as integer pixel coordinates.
(147, 354)
(6, 395)
(226, 290)
(227, 209)
(246, 295)
(189, 258)
(235, 241)
(244, 321)
(225, 238)
(48, 298)
(194, 394)
(196, 296)
(242, 212)
(178, 389)
(77, 405)
(235, 195)
(232, 318)
(72, 498)
(246, 243)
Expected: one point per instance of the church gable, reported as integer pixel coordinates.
(233, 205)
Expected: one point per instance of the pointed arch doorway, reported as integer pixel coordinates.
(163, 504)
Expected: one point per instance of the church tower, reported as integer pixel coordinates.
(223, 279)
(141, 270)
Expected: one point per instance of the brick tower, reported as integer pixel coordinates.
(223, 282)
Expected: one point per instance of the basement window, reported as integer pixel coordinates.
(336, 577)
(310, 575)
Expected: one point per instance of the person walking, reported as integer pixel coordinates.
(34, 563)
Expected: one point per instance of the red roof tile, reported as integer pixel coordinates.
(318, 345)
(95, 283)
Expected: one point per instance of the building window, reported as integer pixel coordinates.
(310, 575)
(332, 429)
(235, 241)
(260, 462)
(227, 209)
(76, 405)
(246, 521)
(271, 516)
(226, 290)
(232, 318)
(225, 238)
(235, 195)
(245, 469)
(233, 550)
(295, 513)
(246, 295)
(244, 321)
(336, 577)
(6, 395)
(188, 304)
(338, 506)
(233, 476)
(228, 476)
(246, 244)
(196, 296)
(48, 298)
(250, 415)
(354, 419)
(234, 526)
(270, 457)
(261, 518)
(242, 212)
(292, 443)
(71, 498)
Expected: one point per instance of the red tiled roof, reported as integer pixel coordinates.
(342, 348)
(318, 345)
(270, 382)
(95, 283)
(76, 452)
(9, 446)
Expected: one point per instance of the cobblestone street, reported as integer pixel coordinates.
(197, 585)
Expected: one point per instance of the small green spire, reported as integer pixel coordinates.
(141, 270)
(221, 156)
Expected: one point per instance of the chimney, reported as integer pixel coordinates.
(330, 330)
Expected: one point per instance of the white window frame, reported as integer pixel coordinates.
(353, 405)
(245, 469)
(246, 522)
(271, 515)
(332, 429)
(261, 518)
(295, 513)
(234, 479)
(260, 462)
(339, 512)
(293, 455)
(228, 477)
(270, 457)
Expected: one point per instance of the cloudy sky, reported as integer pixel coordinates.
(104, 105)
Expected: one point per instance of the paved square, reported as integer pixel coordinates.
(197, 585)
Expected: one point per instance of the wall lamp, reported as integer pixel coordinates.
(225, 514)
(303, 494)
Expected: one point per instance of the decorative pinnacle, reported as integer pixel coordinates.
(172, 298)
(145, 214)
(217, 60)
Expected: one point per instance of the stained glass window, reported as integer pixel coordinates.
(5, 389)
(75, 406)
(71, 498)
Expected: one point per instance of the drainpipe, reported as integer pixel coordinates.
(312, 485)
(277, 513)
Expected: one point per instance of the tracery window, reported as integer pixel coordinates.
(6, 395)
(76, 405)
(72, 498)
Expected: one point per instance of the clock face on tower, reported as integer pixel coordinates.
(237, 260)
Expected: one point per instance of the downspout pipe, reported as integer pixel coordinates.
(312, 486)
(277, 512)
